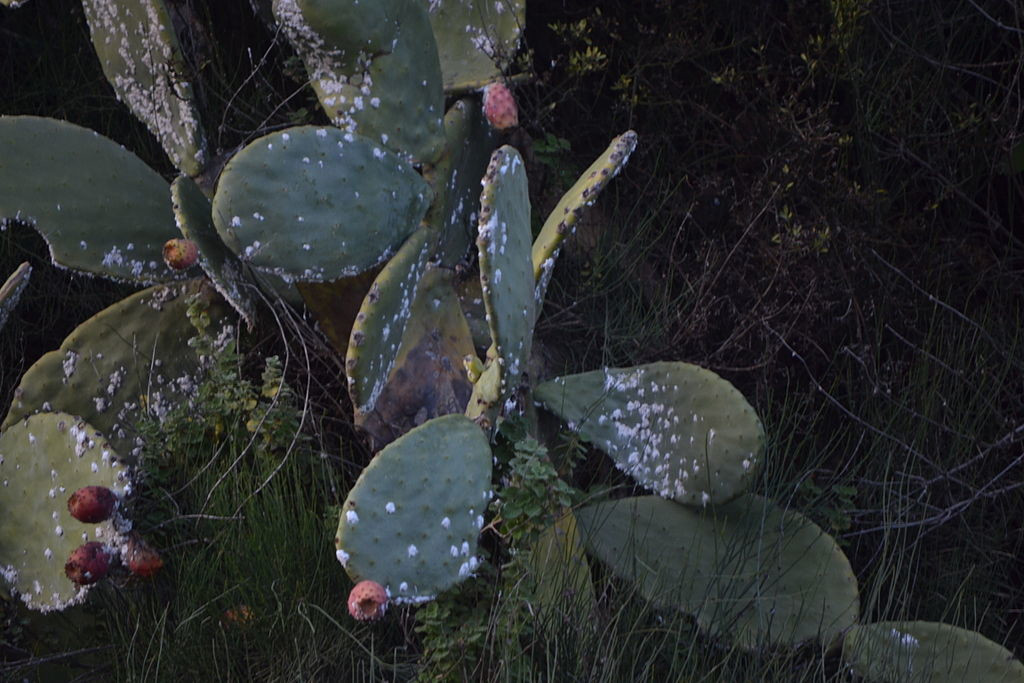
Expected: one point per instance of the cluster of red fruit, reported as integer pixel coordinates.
(90, 562)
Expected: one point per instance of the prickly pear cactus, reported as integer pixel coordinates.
(506, 277)
(227, 273)
(99, 207)
(411, 521)
(317, 204)
(678, 429)
(142, 59)
(43, 460)
(927, 651)
(129, 359)
(748, 570)
(562, 221)
(379, 326)
(11, 290)
(374, 67)
(428, 378)
(476, 39)
(456, 180)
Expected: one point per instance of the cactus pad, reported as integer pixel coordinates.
(100, 209)
(142, 59)
(927, 651)
(476, 39)
(193, 214)
(676, 428)
(379, 326)
(563, 219)
(130, 358)
(374, 67)
(43, 460)
(506, 277)
(317, 204)
(428, 379)
(748, 570)
(412, 519)
(456, 180)
(11, 289)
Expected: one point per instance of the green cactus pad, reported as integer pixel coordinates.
(129, 358)
(485, 401)
(374, 67)
(379, 325)
(100, 209)
(559, 568)
(142, 59)
(927, 651)
(476, 39)
(456, 180)
(412, 519)
(562, 220)
(317, 204)
(503, 243)
(227, 273)
(748, 570)
(11, 291)
(43, 460)
(676, 428)
(428, 378)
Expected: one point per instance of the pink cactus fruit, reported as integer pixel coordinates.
(500, 107)
(140, 558)
(368, 601)
(87, 563)
(92, 504)
(179, 253)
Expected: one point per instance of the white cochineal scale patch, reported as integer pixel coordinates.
(141, 58)
(341, 94)
(677, 429)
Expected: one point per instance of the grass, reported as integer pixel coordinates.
(851, 267)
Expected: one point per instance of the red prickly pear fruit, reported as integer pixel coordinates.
(87, 563)
(500, 107)
(140, 558)
(92, 504)
(179, 253)
(367, 601)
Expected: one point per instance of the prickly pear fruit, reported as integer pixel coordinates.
(88, 563)
(368, 601)
(500, 107)
(180, 253)
(140, 558)
(92, 504)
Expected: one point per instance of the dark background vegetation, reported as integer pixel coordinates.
(825, 208)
